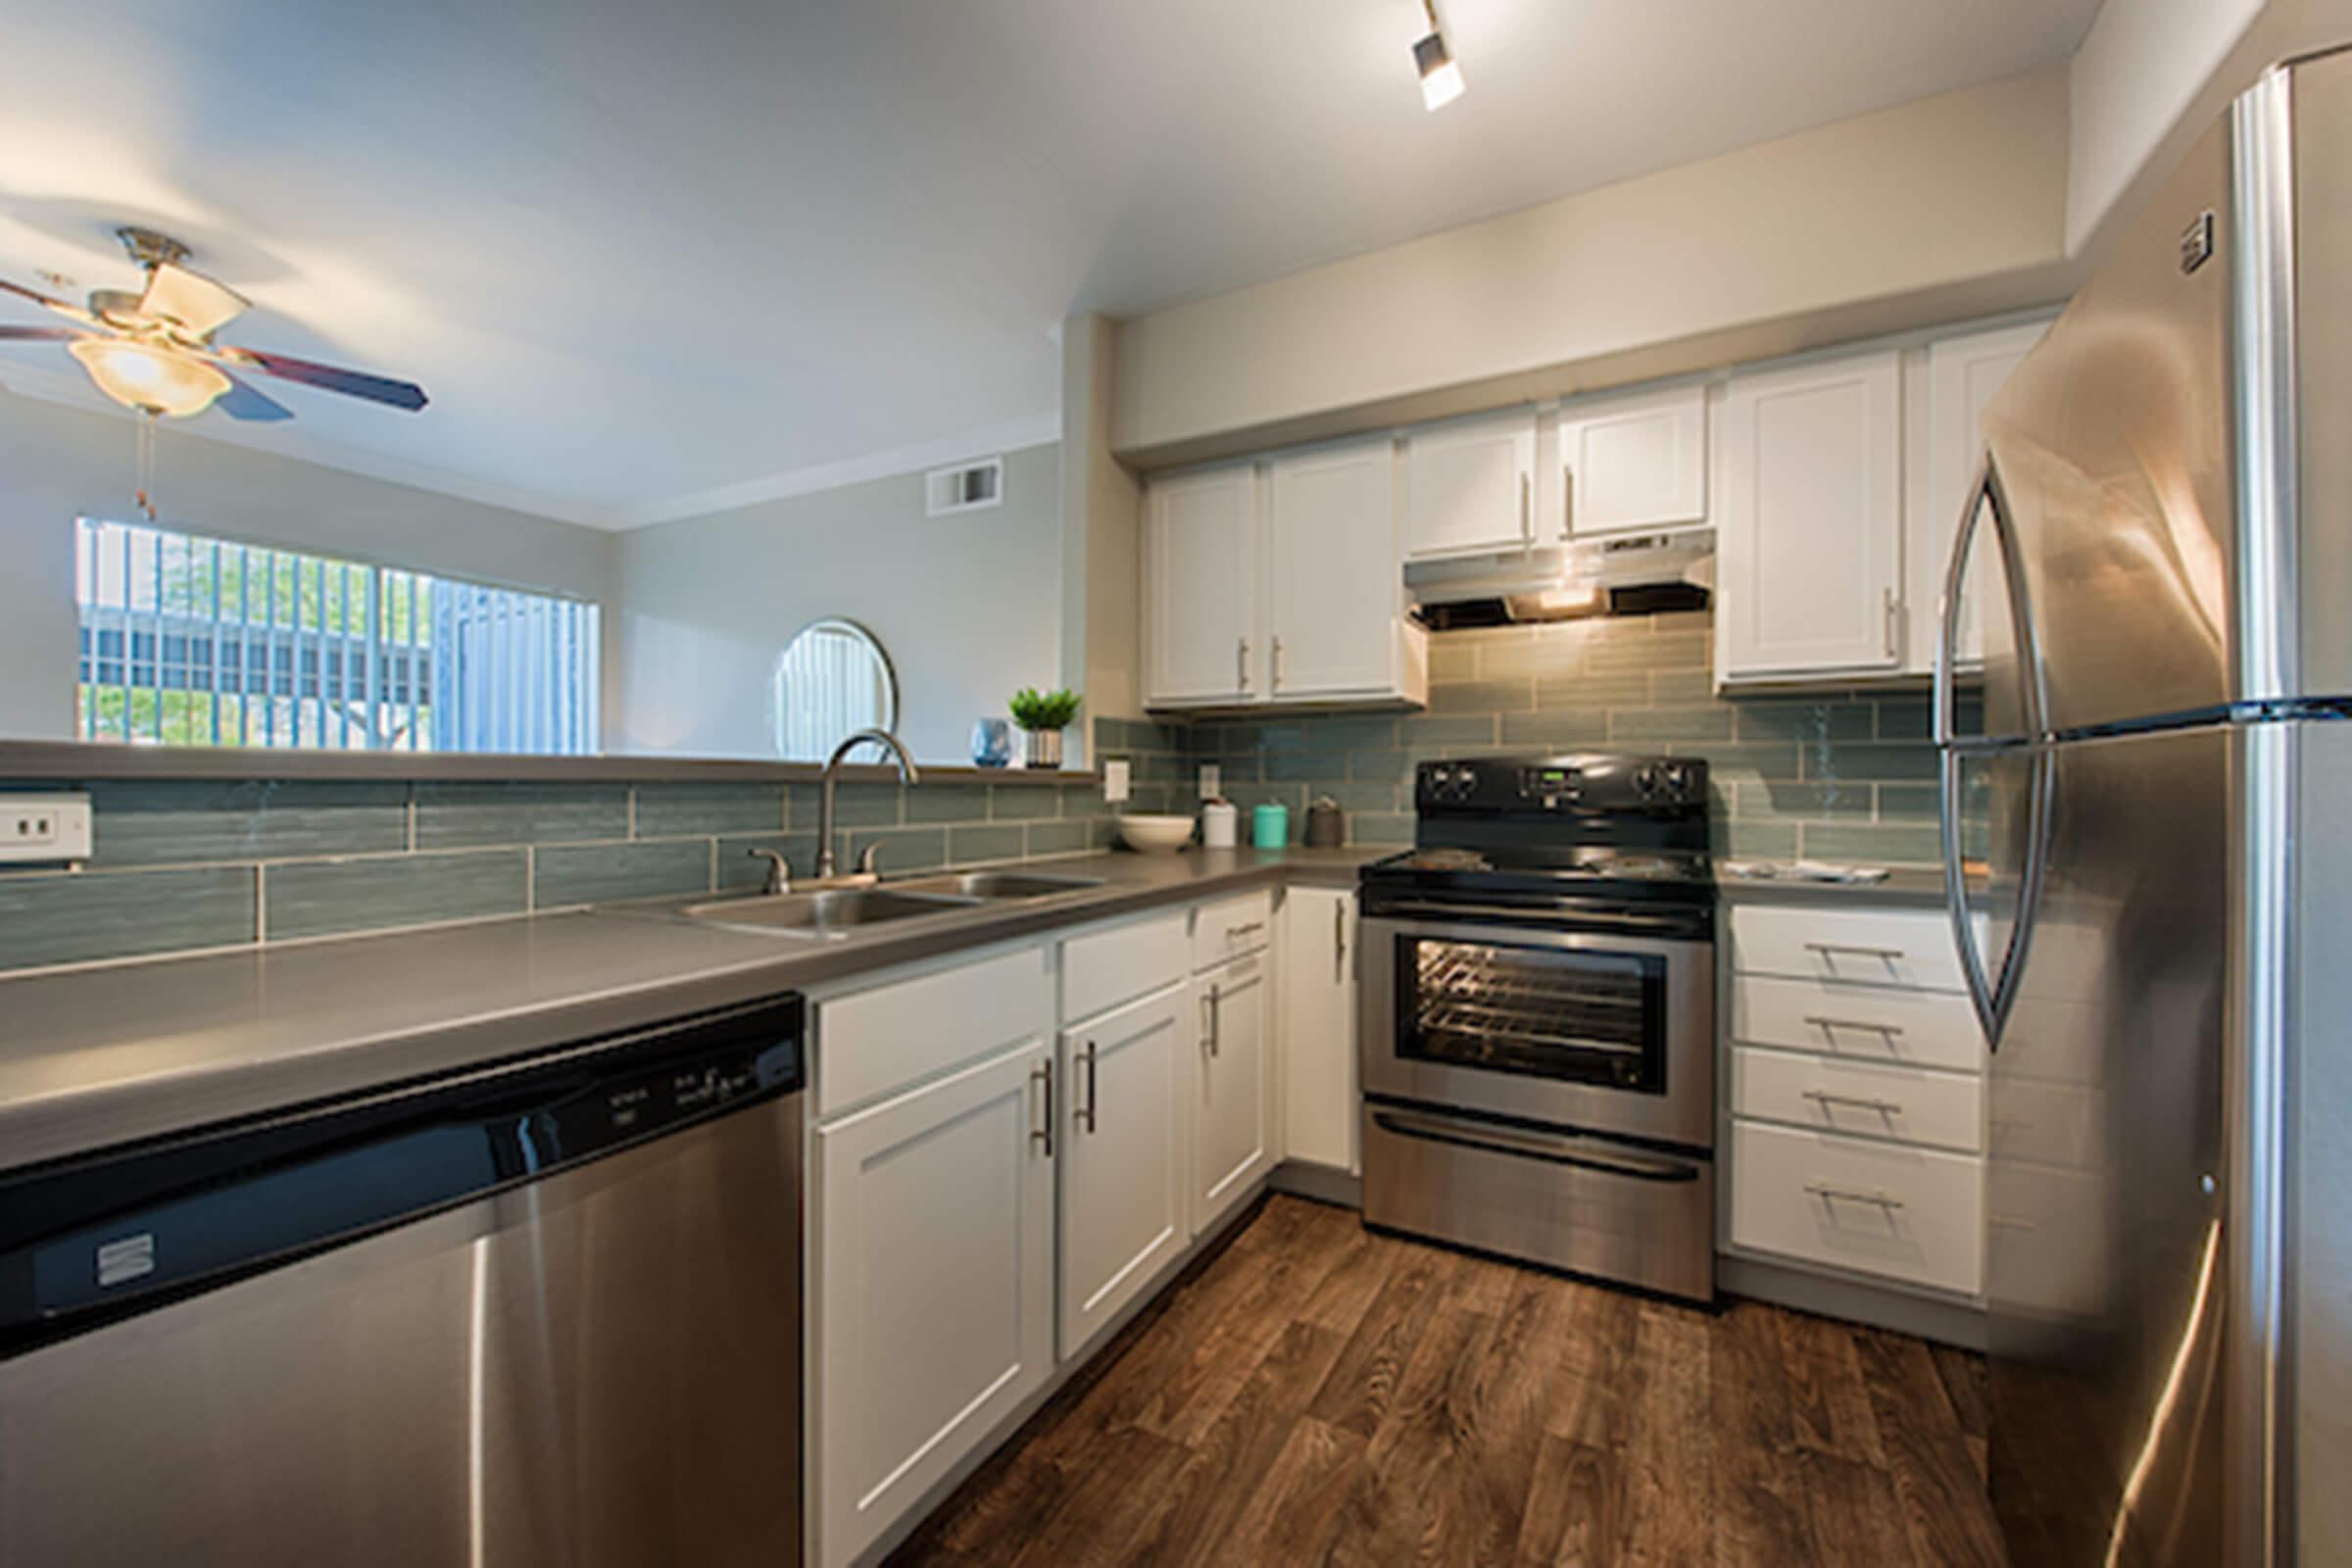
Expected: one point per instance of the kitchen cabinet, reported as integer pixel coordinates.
(1809, 524)
(1123, 1211)
(933, 1291)
(1334, 589)
(1963, 374)
(1317, 1037)
(1470, 485)
(1633, 464)
(1200, 587)
(1231, 1104)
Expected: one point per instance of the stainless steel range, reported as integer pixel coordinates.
(1538, 998)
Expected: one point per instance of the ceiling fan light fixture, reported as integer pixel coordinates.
(1440, 73)
(150, 380)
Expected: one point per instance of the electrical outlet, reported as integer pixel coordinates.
(44, 828)
(1213, 781)
(1114, 780)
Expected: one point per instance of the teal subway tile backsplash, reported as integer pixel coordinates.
(143, 824)
(667, 810)
(564, 874)
(70, 917)
(319, 897)
(457, 815)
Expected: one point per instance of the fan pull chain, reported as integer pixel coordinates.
(143, 461)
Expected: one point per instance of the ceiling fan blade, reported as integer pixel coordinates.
(63, 308)
(352, 383)
(37, 334)
(243, 402)
(189, 299)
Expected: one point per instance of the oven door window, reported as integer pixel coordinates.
(1578, 1016)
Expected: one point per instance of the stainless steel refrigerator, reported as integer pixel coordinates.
(2144, 705)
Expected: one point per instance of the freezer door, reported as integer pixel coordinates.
(2113, 444)
(2105, 1255)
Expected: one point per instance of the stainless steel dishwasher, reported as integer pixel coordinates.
(543, 1312)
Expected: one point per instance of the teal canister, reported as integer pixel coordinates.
(1270, 827)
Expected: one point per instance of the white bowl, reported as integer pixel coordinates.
(1156, 835)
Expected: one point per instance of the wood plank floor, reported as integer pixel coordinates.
(1315, 1393)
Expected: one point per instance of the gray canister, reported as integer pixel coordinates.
(1326, 825)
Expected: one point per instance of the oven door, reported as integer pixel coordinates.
(1581, 1028)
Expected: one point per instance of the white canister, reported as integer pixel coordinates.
(1220, 825)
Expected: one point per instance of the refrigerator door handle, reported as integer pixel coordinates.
(1986, 496)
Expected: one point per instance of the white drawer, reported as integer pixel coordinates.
(901, 1032)
(1859, 1023)
(1229, 927)
(1910, 1214)
(1870, 1100)
(1875, 947)
(1110, 966)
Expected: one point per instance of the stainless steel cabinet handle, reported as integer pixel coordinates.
(1888, 593)
(1885, 1108)
(1567, 502)
(1830, 949)
(1339, 941)
(1527, 513)
(1093, 1122)
(1216, 1024)
(1241, 662)
(1043, 1075)
(1850, 1195)
(1889, 1030)
(1244, 929)
(1277, 682)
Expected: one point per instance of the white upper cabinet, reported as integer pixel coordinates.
(1963, 374)
(1471, 486)
(1809, 522)
(1200, 587)
(1334, 584)
(1632, 463)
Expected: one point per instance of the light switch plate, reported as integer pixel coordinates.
(1213, 781)
(44, 828)
(1115, 777)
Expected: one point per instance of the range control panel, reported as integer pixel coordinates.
(1586, 782)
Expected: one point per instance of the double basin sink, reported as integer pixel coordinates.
(831, 912)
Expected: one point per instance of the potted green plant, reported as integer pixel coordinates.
(1043, 715)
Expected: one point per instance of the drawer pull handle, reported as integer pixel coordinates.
(1242, 930)
(1831, 949)
(1885, 1108)
(1850, 1194)
(1818, 1021)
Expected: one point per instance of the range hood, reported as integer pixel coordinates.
(1628, 575)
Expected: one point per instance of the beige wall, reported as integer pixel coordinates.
(969, 606)
(1947, 207)
(1101, 527)
(58, 464)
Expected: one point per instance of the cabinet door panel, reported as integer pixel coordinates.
(1317, 1038)
(1122, 1166)
(1810, 526)
(1203, 587)
(1963, 374)
(1470, 486)
(935, 1281)
(1636, 462)
(1332, 571)
(1232, 1110)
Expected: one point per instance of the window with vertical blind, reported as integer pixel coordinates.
(195, 641)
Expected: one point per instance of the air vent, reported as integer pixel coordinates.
(965, 489)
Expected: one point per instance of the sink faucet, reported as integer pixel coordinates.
(778, 881)
(908, 774)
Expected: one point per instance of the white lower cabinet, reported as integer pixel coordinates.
(1123, 1211)
(1911, 1214)
(932, 1239)
(1317, 1037)
(1232, 1087)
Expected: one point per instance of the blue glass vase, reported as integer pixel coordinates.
(992, 742)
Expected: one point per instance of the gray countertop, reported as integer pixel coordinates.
(103, 1056)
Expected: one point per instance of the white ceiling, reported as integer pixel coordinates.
(650, 255)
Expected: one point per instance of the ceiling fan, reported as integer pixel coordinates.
(153, 350)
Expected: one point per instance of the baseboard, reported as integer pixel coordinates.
(1926, 1317)
(1324, 1184)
